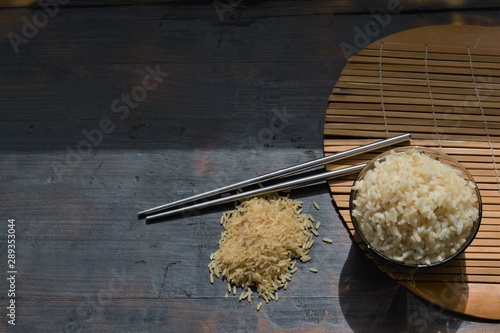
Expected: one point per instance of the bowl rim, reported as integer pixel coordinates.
(398, 264)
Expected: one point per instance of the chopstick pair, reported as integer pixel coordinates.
(174, 208)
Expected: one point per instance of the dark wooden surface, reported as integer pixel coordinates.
(85, 262)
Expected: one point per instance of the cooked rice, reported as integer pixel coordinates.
(261, 238)
(414, 209)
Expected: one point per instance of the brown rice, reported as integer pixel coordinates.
(261, 238)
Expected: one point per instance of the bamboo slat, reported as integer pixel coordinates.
(448, 98)
(446, 94)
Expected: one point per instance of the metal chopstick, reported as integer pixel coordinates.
(281, 172)
(261, 191)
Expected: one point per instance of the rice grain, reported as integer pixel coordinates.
(328, 240)
(318, 224)
(262, 236)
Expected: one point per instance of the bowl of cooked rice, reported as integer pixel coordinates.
(415, 207)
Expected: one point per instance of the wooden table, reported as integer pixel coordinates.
(111, 107)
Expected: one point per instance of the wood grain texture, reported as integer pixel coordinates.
(86, 264)
(341, 6)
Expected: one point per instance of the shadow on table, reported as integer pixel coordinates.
(372, 302)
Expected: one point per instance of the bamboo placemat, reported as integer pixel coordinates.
(442, 85)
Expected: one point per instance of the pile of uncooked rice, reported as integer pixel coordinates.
(261, 238)
(414, 209)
